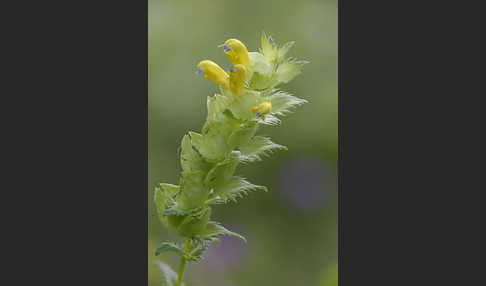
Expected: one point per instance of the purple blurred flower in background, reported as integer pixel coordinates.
(225, 255)
(307, 182)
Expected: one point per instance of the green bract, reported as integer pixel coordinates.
(210, 158)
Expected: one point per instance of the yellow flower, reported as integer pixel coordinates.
(236, 52)
(262, 109)
(237, 78)
(213, 72)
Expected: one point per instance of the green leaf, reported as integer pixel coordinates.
(258, 147)
(198, 246)
(260, 64)
(241, 105)
(216, 105)
(169, 276)
(163, 197)
(195, 223)
(268, 49)
(212, 143)
(214, 230)
(283, 102)
(191, 160)
(222, 172)
(282, 51)
(202, 241)
(193, 192)
(241, 136)
(207, 147)
(194, 253)
(170, 189)
(176, 210)
(196, 139)
(289, 69)
(169, 246)
(272, 51)
(235, 188)
(270, 120)
(260, 81)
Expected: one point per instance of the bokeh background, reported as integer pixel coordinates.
(292, 229)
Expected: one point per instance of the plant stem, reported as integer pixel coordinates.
(182, 267)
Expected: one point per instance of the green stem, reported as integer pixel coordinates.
(183, 263)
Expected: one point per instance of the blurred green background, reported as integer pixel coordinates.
(292, 229)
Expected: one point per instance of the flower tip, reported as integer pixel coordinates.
(225, 48)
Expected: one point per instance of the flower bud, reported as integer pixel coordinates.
(262, 109)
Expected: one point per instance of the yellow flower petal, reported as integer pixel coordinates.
(236, 52)
(213, 72)
(237, 78)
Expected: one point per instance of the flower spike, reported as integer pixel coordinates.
(228, 138)
(213, 72)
